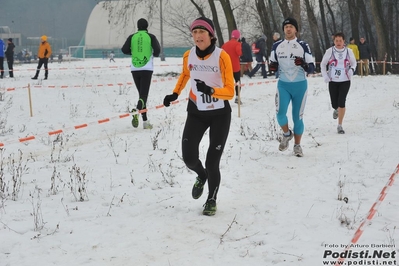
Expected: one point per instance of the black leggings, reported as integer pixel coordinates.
(10, 62)
(142, 80)
(237, 76)
(1, 65)
(42, 61)
(338, 93)
(194, 129)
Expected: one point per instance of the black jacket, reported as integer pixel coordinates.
(261, 44)
(10, 51)
(364, 51)
(246, 52)
(156, 48)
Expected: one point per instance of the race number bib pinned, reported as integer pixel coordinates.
(206, 102)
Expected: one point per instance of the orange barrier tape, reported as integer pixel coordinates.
(26, 139)
(90, 67)
(370, 215)
(102, 121)
(160, 65)
(128, 83)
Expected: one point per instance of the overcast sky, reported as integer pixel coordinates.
(55, 18)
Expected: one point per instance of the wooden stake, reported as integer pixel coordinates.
(239, 98)
(361, 68)
(30, 101)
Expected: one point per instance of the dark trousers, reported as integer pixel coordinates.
(10, 63)
(237, 76)
(142, 80)
(1, 67)
(256, 68)
(338, 92)
(194, 129)
(42, 61)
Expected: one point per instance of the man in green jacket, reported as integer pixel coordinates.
(143, 47)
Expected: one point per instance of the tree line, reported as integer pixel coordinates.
(375, 20)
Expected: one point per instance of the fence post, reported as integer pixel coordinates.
(30, 101)
(361, 68)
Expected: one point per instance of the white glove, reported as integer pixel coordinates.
(327, 79)
(350, 73)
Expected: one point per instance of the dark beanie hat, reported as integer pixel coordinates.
(203, 23)
(291, 21)
(351, 39)
(10, 39)
(142, 24)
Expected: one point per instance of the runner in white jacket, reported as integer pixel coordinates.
(341, 64)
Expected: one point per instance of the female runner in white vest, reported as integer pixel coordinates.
(210, 73)
(341, 63)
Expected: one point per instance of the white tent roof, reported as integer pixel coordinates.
(103, 32)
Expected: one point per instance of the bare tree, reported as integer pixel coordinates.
(324, 33)
(216, 22)
(263, 15)
(367, 31)
(354, 18)
(296, 11)
(333, 24)
(383, 41)
(121, 12)
(284, 8)
(228, 12)
(392, 25)
(313, 29)
(255, 17)
(275, 24)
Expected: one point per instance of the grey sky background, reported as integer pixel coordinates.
(55, 18)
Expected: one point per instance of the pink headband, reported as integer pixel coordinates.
(199, 23)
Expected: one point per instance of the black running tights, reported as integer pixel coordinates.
(338, 92)
(142, 80)
(194, 130)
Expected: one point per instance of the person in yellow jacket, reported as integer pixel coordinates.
(43, 54)
(355, 50)
(209, 71)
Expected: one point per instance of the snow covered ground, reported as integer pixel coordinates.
(104, 193)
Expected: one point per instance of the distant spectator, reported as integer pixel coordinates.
(233, 48)
(355, 50)
(246, 57)
(111, 56)
(2, 49)
(60, 58)
(365, 55)
(10, 57)
(43, 54)
(260, 57)
(20, 56)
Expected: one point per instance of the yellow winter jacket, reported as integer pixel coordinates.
(355, 50)
(44, 50)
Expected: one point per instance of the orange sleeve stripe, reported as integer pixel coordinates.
(184, 76)
(227, 92)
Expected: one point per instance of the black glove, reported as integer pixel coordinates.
(202, 87)
(170, 98)
(300, 62)
(273, 66)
